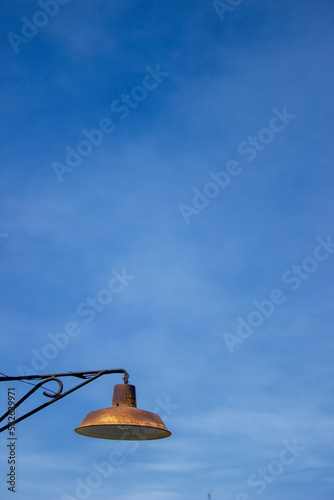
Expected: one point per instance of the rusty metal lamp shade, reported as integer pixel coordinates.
(123, 420)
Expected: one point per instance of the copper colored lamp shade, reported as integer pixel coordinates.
(123, 420)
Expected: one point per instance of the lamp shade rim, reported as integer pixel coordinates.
(131, 433)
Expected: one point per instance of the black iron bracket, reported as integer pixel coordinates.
(55, 396)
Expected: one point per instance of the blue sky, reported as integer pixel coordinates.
(171, 163)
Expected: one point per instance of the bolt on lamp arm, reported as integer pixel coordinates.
(87, 376)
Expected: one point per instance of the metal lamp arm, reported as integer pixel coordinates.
(87, 376)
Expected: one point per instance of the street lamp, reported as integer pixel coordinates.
(123, 420)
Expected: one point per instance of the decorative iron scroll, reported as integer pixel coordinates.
(55, 396)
